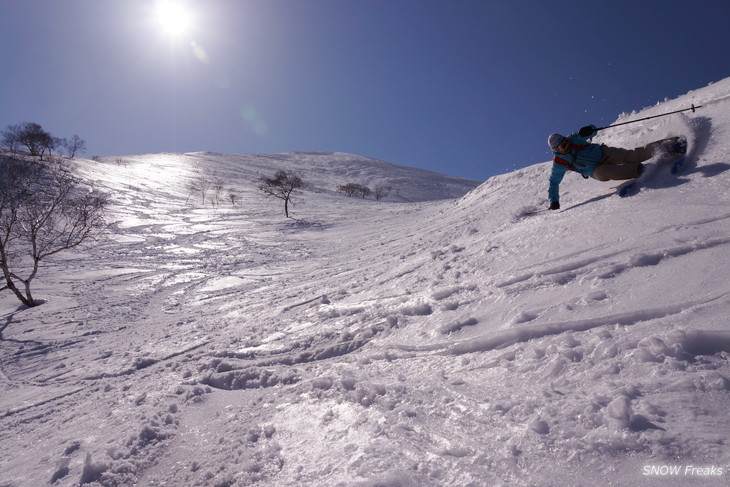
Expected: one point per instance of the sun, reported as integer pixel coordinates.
(174, 18)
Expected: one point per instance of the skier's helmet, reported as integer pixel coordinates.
(554, 140)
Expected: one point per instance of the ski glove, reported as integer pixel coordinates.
(554, 205)
(588, 131)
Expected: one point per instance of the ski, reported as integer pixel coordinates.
(627, 188)
(678, 165)
(681, 148)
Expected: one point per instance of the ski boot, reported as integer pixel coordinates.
(680, 147)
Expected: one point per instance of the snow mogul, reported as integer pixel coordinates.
(575, 153)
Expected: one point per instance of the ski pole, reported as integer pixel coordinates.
(693, 108)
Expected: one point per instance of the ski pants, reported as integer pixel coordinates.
(620, 164)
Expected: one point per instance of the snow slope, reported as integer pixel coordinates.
(322, 171)
(462, 342)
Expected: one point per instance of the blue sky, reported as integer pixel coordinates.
(470, 88)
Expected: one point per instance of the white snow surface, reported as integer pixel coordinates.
(459, 342)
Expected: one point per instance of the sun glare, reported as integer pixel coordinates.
(174, 18)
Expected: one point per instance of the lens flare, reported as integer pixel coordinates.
(199, 53)
(254, 121)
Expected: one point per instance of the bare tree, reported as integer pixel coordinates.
(283, 185)
(199, 184)
(353, 189)
(30, 135)
(233, 196)
(44, 210)
(350, 189)
(73, 145)
(11, 137)
(217, 186)
(381, 192)
(365, 192)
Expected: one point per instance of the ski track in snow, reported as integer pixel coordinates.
(462, 342)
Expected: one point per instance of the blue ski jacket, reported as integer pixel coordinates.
(583, 157)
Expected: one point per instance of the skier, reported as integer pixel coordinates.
(600, 162)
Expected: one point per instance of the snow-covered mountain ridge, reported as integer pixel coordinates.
(459, 342)
(321, 171)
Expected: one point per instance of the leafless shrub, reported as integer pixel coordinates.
(381, 192)
(355, 189)
(233, 196)
(200, 184)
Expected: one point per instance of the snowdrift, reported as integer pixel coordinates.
(469, 341)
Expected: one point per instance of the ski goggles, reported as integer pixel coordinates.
(564, 145)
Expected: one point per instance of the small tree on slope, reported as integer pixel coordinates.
(283, 185)
(43, 210)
